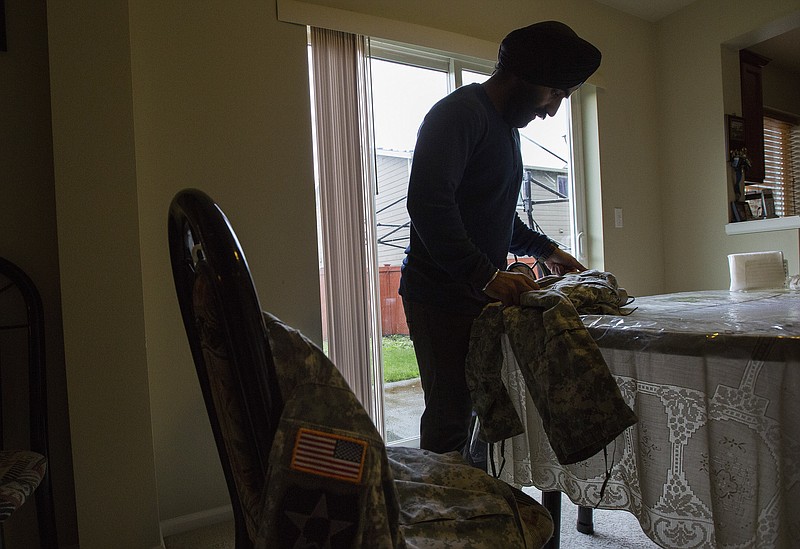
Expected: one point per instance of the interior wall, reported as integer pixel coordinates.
(220, 104)
(101, 274)
(28, 238)
(780, 89)
(698, 82)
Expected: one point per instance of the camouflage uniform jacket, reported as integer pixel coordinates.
(329, 483)
(590, 292)
(332, 483)
(580, 404)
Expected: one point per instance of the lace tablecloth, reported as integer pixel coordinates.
(714, 460)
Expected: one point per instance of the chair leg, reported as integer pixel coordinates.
(585, 523)
(241, 536)
(45, 511)
(552, 502)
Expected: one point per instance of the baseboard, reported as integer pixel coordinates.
(193, 521)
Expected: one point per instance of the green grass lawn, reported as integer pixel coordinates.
(399, 362)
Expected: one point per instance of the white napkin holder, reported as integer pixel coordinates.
(757, 271)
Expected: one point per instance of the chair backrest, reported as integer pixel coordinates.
(22, 329)
(230, 347)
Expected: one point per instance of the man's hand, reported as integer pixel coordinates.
(561, 263)
(507, 287)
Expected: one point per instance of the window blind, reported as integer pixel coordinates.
(781, 164)
(345, 173)
(794, 147)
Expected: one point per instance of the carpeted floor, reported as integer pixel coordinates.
(612, 530)
(216, 536)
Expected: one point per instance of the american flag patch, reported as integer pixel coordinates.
(329, 455)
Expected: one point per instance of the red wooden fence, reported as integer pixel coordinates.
(393, 318)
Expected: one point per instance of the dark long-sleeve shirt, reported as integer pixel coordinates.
(462, 196)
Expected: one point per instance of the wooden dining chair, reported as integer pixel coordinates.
(23, 466)
(262, 381)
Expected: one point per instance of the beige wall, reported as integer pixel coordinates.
(28, 234)
(148, 99)
(220, 104)
(696, 80)
(781, 89)
(101, 274)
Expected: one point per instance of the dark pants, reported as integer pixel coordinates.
(441, 342)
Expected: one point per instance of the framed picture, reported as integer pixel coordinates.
(755, 201)
(769, 204)
(735, 127)
(3, 45)
(741, 211)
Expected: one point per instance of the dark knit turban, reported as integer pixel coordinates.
(548, 54)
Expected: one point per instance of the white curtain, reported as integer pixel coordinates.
(345, 172)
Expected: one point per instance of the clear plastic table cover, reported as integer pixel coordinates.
(694, 322)
(714, 378)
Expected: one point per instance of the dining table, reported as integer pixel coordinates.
(714, 458)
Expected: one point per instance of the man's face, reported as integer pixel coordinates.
(530, 101)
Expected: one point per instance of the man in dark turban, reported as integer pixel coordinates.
(549, 54)
(465, 179)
